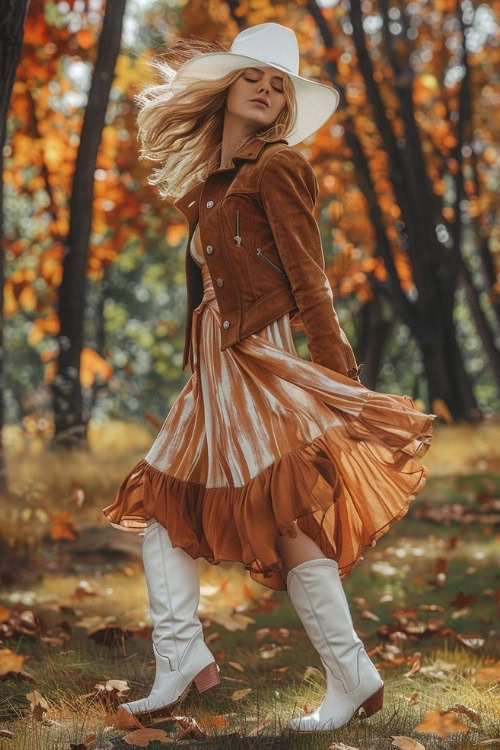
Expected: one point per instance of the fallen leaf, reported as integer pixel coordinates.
(189, 729)
(61, 526)
(487, 674)
(10, 662)
(84, 589)
(406, 743)
(38, 704)
(142, 737)
(123, 719)
(463, 600)
(473, 715)
(210, 722)
(415, 665)
(231, 622)
(269, 652)
(438, 670)
(262, 632)
(432, 607)
(367, 615)
(472, 643)
(441, 722)
(237, 666)
(279, 671)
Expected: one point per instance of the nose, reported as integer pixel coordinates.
(264, 86)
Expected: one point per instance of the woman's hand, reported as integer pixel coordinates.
(355, 372)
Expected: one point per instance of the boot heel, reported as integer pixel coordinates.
(372, 704)
(208, 678)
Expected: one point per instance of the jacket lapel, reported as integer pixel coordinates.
(189, 203)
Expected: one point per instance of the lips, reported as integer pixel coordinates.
(259, 99)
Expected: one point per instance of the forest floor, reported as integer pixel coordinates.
(76, 636)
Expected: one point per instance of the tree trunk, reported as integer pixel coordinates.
(375, 331)
(12, 19)
(70, 425)
(483, 329)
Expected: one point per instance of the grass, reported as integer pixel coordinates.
(418, 565)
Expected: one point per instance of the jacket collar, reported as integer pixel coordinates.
(189, 202)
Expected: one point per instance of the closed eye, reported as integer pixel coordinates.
(251, 80)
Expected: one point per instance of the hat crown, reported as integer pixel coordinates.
(271, 43)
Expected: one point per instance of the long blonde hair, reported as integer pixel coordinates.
(183, 131)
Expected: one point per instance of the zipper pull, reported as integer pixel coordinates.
(237, 237)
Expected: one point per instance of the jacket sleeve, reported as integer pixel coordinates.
(289, 190)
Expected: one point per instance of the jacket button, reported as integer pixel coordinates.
(210, 249)
(226, 324)
(210, 204)
(219, 282)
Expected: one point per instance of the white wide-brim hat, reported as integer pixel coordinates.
(267, 44)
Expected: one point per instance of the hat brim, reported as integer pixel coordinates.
(316, 102)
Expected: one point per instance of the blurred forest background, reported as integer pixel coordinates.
(94, 286)
(91, 343)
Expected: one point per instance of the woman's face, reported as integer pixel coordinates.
(264, 82)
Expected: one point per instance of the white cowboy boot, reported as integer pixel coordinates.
(353, 681)
(181, 653)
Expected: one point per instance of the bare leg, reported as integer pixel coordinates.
(295, 551)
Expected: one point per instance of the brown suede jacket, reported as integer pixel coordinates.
(263, 249)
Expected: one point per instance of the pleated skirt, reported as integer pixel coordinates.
(260, 442)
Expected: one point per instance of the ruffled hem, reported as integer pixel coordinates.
(344, 489)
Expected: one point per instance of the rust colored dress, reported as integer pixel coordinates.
(259, 437)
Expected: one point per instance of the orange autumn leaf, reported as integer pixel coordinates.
(92, 364)
(485, 675)
(175, 234)
(142, 737)
(10, 661)
(10, 304)
(61, 526)
(27, 298)
(441, 722)
(210, 722)
(123, 719)
(40, 327)
(85, 38)
(50, 372)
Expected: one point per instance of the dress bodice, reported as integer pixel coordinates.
(196, 252)
(196, 247)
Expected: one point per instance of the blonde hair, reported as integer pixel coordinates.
(183, 130)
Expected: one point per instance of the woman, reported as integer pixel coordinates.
(289, 466)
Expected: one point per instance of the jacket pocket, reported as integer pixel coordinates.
(268, 260)
(237, 236)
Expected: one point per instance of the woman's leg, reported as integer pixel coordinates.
(298, 550)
